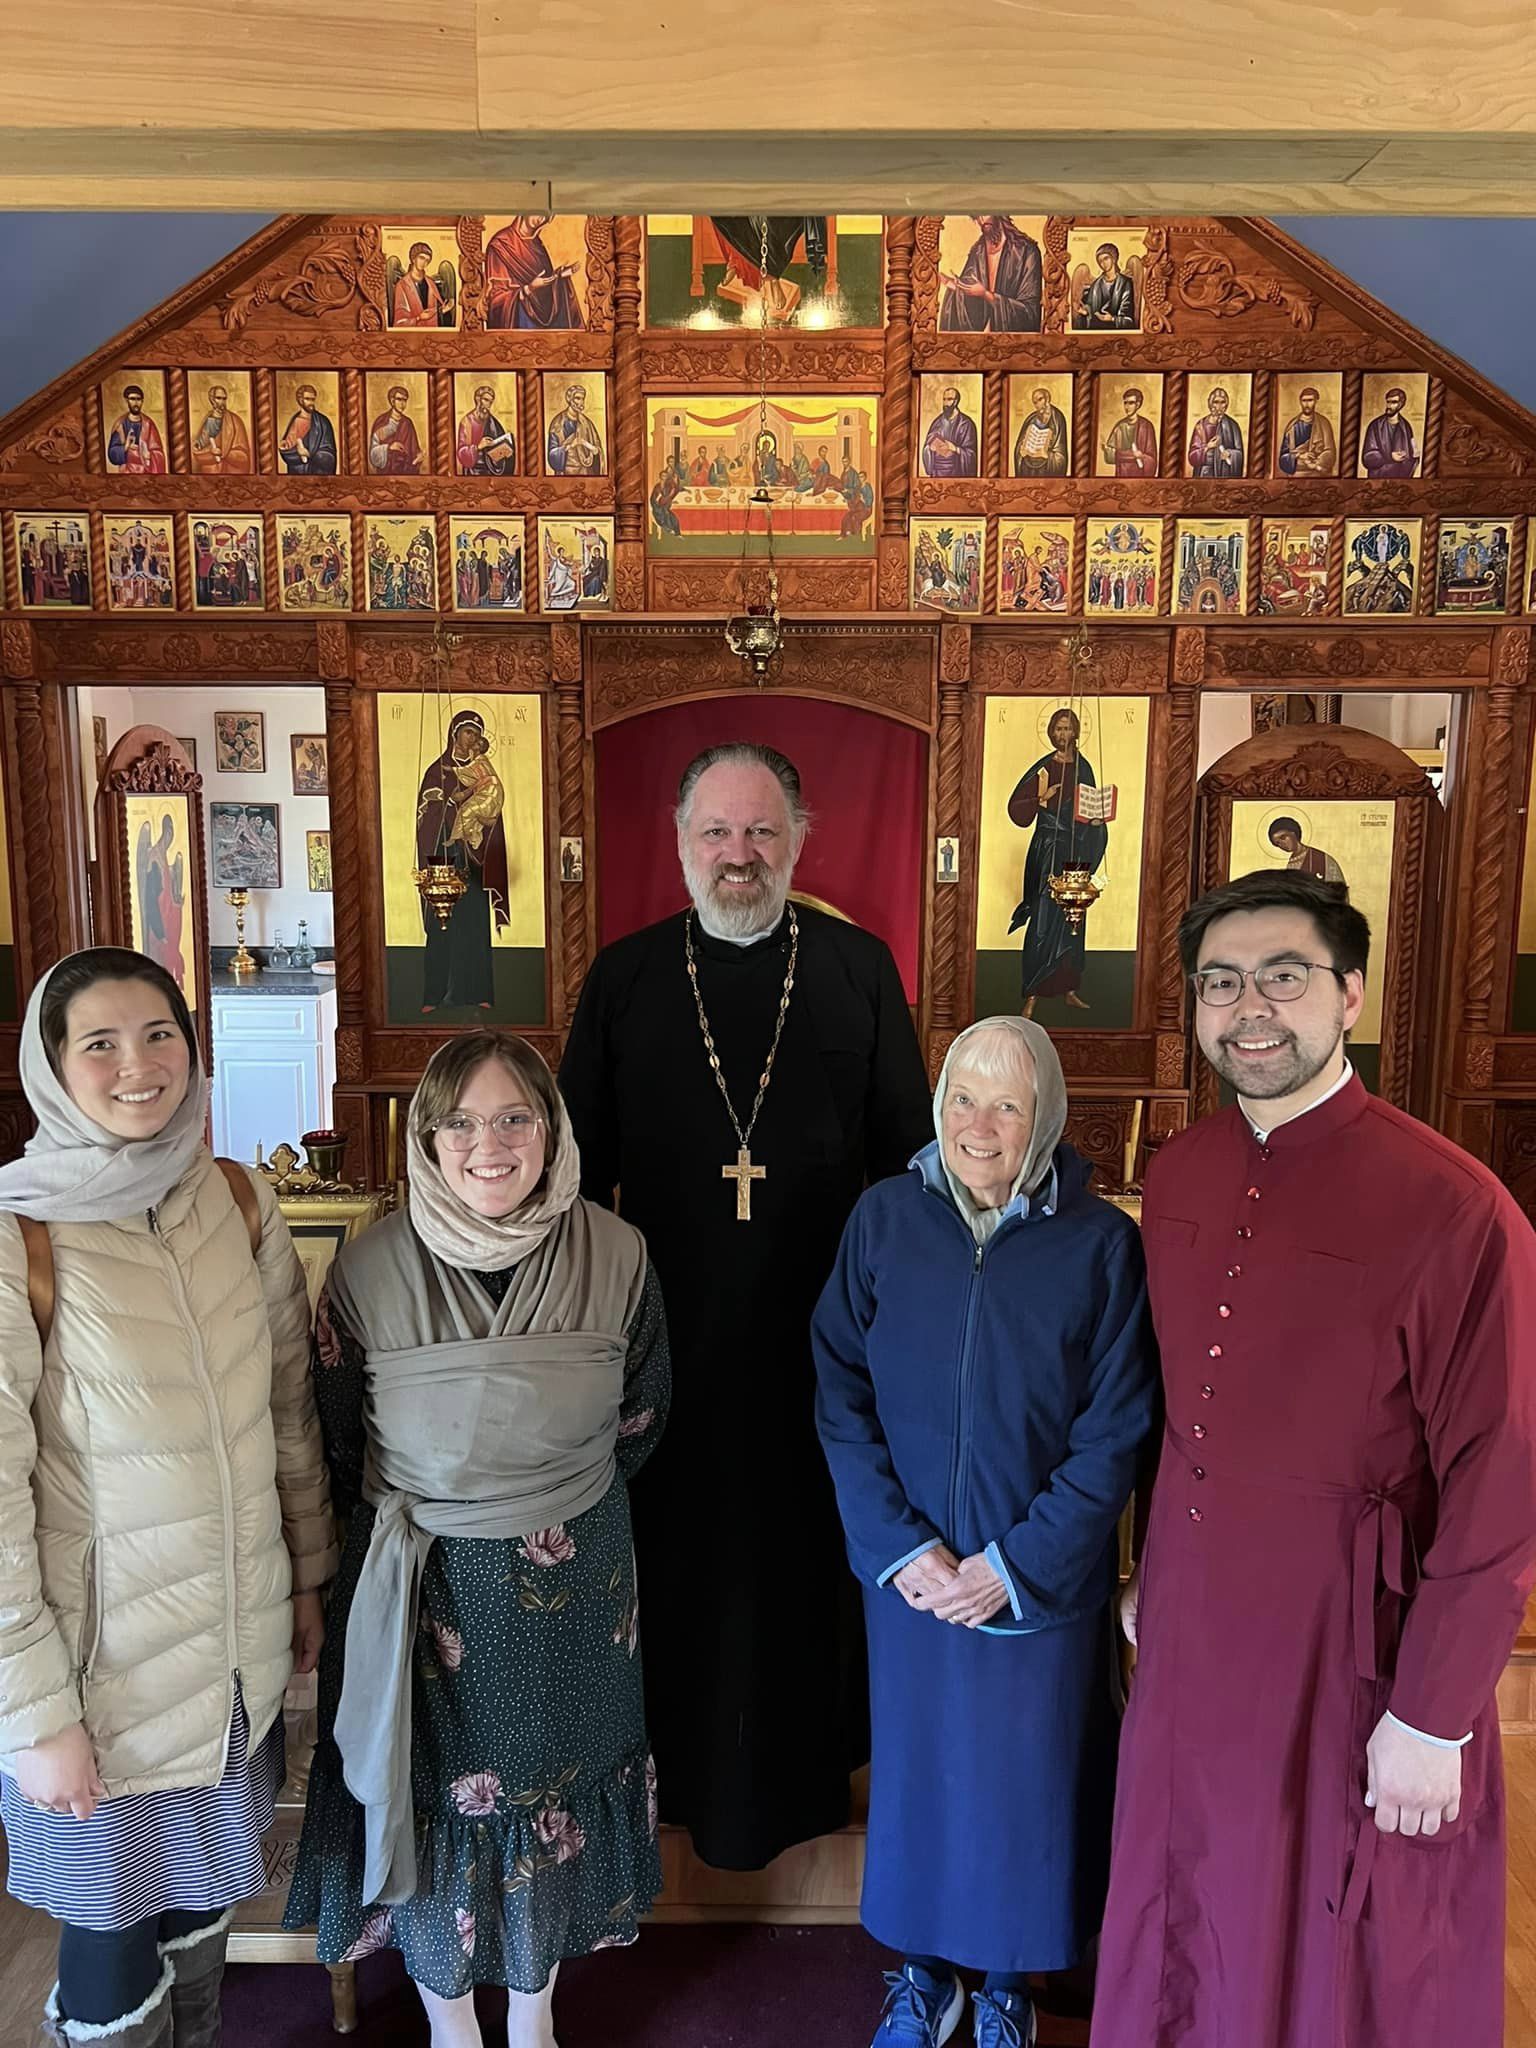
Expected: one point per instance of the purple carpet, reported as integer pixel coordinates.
(679, 1987)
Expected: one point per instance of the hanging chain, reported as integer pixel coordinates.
(743, 1137)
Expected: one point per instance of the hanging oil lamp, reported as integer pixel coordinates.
(439, 885)
(1074, 892)
(755, 634)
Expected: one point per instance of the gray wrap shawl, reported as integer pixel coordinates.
(483, 1421)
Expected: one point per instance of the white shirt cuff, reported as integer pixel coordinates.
(1434, 1741)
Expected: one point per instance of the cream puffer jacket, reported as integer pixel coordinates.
(162, 1484)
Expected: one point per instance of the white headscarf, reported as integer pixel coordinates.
(459, 1235)
(1050, 1116)
(74, 1171)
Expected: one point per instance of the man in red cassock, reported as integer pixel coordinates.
(1309, 1834)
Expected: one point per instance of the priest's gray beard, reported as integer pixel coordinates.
(736, 910)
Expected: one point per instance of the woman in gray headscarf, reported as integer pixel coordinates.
(492, 1370)
(986, 1380)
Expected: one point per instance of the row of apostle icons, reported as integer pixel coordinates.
(326, 562)
(1128, 416)
(310, 437)
(1124, 573)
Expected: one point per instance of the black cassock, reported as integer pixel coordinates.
(752, 1636)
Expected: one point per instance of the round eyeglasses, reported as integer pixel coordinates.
(1219, 987)
(460, 1130)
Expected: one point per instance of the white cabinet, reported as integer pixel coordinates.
(274, 1065)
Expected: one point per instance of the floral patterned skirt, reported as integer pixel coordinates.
(534, 1790)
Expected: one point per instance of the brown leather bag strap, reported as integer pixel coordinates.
(245, 1199)
(34, 1235)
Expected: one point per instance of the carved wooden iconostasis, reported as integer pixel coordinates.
(1170, 475)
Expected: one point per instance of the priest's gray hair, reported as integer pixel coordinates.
(745, 754)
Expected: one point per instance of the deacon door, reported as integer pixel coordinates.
(152, 865)
(1346, 806)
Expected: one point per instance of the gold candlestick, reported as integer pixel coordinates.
(245, 966)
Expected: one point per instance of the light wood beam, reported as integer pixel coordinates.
(593, 105)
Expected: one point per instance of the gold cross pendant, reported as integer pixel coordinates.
(743, 1173)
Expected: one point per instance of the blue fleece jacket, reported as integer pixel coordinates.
(995, 1398)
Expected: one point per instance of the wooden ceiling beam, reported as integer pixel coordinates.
(590, 106)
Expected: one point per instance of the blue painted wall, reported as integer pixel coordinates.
(1470, 284)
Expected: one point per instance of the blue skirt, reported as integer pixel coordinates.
(992, 1788)
(197, 1850)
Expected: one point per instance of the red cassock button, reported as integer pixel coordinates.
(1214, 1352)
(1199, 1432)
(1199, 1471)
(1207, 1393)
(1223, 1310)
(1195, 1515)
(1234, 1272)
(1243, 1230)
(1265, 1154)
(1253, 1195)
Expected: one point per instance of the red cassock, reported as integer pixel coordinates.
(1344, 1523)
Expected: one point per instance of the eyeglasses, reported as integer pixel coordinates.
(460, 1132)
(1220, 987)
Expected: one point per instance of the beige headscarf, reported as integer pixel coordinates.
(1050, 1115)
(74, 1170)
(459, 1235)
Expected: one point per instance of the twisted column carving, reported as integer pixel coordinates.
(49, 862)
(1349, 426)
(177, 429)
(1495, 795)
(628, 403)
(1084, 396)
(1175, 392)
(628, 437)
(1178, 821)
(1434, 428)
(1429, 568)
(443, 456)
(571, 773)
(1334, 605)
(995, 423)
(1258, 429)
(346, 851)
(944, 1008)
(1402, 973)
(263, 423)
(896, 406)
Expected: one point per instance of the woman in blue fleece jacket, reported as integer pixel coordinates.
(986, 1384)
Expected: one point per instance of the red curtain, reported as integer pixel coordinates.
(865, 780)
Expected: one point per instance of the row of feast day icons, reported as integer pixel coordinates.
(1124, 575)
(397, 437)
(318, 568)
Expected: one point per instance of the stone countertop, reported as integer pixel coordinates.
(223, 983)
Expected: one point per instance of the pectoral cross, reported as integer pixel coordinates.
(743, 1173)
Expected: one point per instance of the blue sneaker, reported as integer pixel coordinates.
(918, 2012)
(1002, 2019)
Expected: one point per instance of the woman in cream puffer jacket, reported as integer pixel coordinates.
(165, 1518)
(179, 1488)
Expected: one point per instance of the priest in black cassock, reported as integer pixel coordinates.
(741, 1177)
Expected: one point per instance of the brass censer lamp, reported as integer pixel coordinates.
(1074, 892)
(441, 885)
(244, 966)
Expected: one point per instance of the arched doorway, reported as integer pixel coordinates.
(1349, 806)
